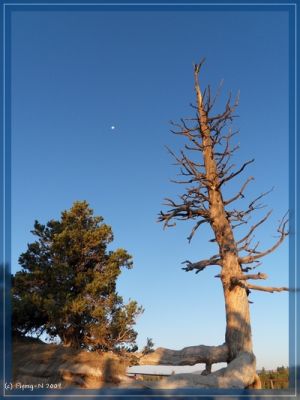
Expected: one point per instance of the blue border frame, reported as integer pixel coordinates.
(2, 206)
(5, 334)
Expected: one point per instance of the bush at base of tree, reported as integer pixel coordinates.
(67, 285)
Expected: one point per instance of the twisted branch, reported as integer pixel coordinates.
(201, 265)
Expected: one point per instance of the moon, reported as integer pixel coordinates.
(113, 127)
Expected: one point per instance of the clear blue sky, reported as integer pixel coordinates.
(76, 74)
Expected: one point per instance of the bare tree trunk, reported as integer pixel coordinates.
(202, 201)
(238, 349)
(238, 330)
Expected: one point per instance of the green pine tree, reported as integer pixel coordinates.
(149, 348)
(67, 285)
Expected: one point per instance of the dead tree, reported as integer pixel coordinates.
(209, 137)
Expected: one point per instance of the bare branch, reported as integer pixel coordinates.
(243, 222)
(238, 278)
(186, 356)
(283, 233)
(267, 289)
(240, 193)
(223, 157)
(248, 268)
(197, 68)
(252, 229)
(190, 237)
(184, 182)
(193, 148)
(249, 250)
(251, 205)
(181, 212)
(235, 173)
(190, 169)
(227, 114)
(201, 265)
(218, 93)
(239, 215)
(196, 191)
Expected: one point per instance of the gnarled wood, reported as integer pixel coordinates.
(187, 356)
(256, 384)
(240, 373)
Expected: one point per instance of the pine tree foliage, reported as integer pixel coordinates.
(67, 285)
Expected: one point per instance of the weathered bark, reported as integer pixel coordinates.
(240, 373)
(256, 384)
(188, 356)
